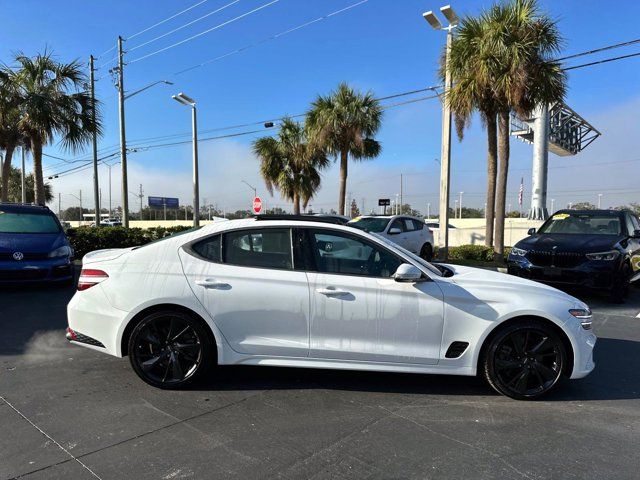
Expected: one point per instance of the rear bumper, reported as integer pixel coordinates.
(592, 275)
(50, 270)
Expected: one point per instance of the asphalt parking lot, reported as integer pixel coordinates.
(70, 413)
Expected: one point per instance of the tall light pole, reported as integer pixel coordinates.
(189, 102)
(94, 141)
(460, 204)
(255, 194)
(599, 201)
(428, 211)
(445, 157)
(553, 200)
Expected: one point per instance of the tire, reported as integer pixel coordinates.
(170, 349)
(524, 360)
(426, 252)
(621, 284)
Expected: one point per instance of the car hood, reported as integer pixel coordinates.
(573, 243)
(480, 279)
(31, 242)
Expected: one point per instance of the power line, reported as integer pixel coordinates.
(188, 39)
(166, 19)
(606, 60)
(182, 26)
(270, 38)
(601, 49)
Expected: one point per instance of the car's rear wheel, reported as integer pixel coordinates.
(426, 252)
(524, 360)
(169, 349)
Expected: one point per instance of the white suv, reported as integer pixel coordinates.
(410, 233)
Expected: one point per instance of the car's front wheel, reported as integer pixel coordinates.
(170, 349)
(524, 360)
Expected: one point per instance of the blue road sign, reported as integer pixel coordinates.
(161, 202)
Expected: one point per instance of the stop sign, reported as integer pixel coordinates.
(257, 205)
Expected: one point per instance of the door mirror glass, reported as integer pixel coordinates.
(407, 273)
(394, 231)
(531, 231)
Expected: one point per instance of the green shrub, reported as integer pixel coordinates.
(87, 239)
(479, 253)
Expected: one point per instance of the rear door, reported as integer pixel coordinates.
(246, 281)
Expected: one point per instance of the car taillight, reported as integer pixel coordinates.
(90, 277)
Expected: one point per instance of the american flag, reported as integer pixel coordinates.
(521, 192)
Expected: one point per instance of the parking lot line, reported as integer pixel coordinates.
(49, 437)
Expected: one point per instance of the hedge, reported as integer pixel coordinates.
(477, 253)
(87, 239)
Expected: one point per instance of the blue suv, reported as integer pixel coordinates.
(33, 246)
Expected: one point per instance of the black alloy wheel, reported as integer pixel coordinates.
(169, 349)
(525, 360)
(426, 252)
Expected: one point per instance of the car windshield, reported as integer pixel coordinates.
(11, 222)
(583, 224)
(411, 255)
(369, 224)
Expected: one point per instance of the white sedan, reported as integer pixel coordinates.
(311, 294)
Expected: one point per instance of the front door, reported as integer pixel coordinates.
(246, 281)
(359, 312)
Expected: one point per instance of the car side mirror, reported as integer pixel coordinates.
(394, 231)
(407, 273)
(531, 231)
(636, 234)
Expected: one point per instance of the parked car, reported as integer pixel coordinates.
(33, 246)
(304, 293)
(597, 249)
(409, 232)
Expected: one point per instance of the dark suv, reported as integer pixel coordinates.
(597, 249)
(33, 246)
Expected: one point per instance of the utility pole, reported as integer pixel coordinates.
(140, 196)
(428, 211)
(445, 156)
(59, 209)
(401, 194)
(22, 180)
(123, 138)
(94, 141)
(80, 198)
(599, 201)
(460, 204)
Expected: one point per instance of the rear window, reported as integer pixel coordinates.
(370, 224)
(11, 222)
(265, 248)
(583, 224)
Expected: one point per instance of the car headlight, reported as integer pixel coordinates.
(584, 315)
(518, 252)
(606, 256)
(64, 251)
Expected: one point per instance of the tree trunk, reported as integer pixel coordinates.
(296, 204)
(36, 151)
(503, 173)
(344, 158)
(6, 171)
(492, 166)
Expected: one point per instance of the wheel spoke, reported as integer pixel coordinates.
(152, 362)
(176, 368)
(521, 384)
(516, 340)
(507, 363)
(181, 333)
(170, 330)
(151, 337)
(538, 347)
(545, 371)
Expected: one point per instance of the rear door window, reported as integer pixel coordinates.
(262, 248)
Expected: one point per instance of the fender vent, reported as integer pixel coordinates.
(456, 349)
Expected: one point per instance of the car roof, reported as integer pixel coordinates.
(586, 212)
(288, 223)
(23, 207)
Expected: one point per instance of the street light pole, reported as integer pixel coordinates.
(599, 201)
(22, 179)
(460, 204)
(94, 141)
(445, 156)
(123, 138)
(185, 100)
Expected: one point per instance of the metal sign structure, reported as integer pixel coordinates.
(556, 128)
(163, 202)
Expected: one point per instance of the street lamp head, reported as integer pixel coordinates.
(433, 20)
(450, 15)
(167, 82)
(184, 99)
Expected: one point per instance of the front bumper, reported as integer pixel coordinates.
(583, 342)
(49, 270)
(597, 275)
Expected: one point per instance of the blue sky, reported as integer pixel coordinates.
(381, 45)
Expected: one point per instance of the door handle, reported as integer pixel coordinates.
(211, 283)
(331, 292)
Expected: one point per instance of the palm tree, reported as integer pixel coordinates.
(53, 102)
(14, 187)
(343, 124)
(470, 64)
(9, 133)
(524, 43)
(290, 164)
